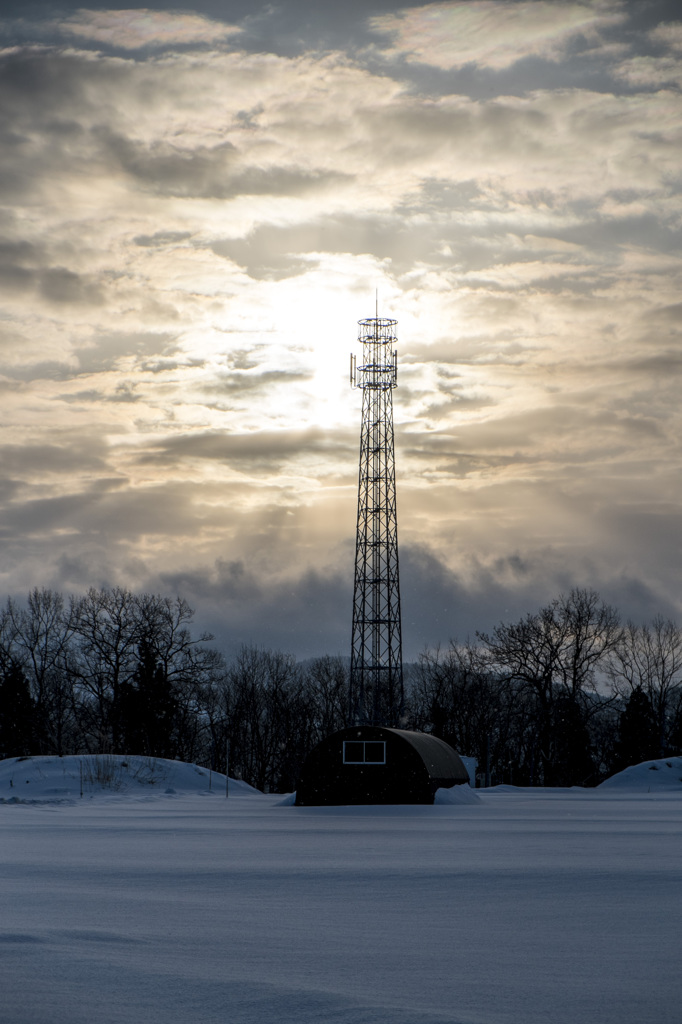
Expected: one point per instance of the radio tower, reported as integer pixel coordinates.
(376, 664)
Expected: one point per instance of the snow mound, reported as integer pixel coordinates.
(456, 795)
(649, 776)
(61, 779)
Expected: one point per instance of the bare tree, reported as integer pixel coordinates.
(327, 683)
(456, 696)
(267, 710)
(40, 636)
(590, 631)
(553, 656)
(649, 659)
(108, 631)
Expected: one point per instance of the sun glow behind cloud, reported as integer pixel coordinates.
(191, 235)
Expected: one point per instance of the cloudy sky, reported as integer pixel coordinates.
(197, 205)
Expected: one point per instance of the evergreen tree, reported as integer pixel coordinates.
(146, 708)
(638, 738)
(16, 714)
(572, 763)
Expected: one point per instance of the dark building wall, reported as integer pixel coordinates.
(377, 765)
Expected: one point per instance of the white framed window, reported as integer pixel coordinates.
(364, 752)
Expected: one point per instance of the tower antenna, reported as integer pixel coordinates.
(376, 668)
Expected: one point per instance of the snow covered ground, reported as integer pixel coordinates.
(137, 904)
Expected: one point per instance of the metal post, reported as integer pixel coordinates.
(227, 768)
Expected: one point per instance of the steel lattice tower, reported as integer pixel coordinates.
(376, 667)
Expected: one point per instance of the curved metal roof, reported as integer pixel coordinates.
(438, 756)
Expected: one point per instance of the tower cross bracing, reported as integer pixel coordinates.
(376, 671)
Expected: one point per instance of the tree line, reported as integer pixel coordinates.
(565, 696)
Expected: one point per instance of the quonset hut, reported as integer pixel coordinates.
(371, 764)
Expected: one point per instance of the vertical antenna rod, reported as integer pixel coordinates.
(376, 668)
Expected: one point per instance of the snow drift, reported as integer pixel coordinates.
(57, 779)
(663, 774)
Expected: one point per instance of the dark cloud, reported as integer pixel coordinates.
(672, 314)
(111, 514)
(15, 278)
(168, 365)
(259, 449)
(39, 370)
(25, 519)
(71, 456)
(307, 614)
(276, 251)
(22, 268)
(99, 357)
(162, 238)
(605, 233)
(216, 172)
(125, 392)
(461, 350)
(171, 170)
(441, 605)
(561, 433)
(61, 285)
(662, 364)
(110, 348)
(283, 181)
(16, 252)
(246, 383)
(244, 359)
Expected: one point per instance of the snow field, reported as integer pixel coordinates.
(527, 906)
